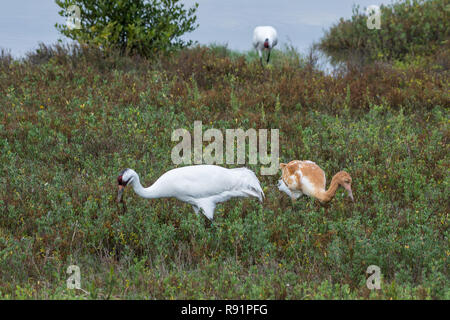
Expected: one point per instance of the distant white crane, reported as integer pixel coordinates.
(202, 186)
(264, 38)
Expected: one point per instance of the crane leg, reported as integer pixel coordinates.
(196, 209)
(260, 57)
(208, 208)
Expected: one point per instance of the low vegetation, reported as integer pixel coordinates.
(72, 118)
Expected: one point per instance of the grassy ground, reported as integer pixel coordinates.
(70, 122)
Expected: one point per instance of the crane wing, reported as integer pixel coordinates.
(206, 181)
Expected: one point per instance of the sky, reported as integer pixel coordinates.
(25, 23)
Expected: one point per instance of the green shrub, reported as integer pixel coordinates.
(135, 27)
(409, 28)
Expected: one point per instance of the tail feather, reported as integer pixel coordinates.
(250, 181)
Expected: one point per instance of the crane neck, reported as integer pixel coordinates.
(151, 192)
(328, 195)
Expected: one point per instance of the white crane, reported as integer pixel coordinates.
(264, 38)
(202, 186)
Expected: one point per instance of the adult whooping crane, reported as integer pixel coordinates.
(202, 186)
(306, 177)
(264, 38)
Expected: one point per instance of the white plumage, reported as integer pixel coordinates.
(202, 186)
(264, 38)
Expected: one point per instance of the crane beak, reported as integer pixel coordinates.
(120, 193)
(349, 191)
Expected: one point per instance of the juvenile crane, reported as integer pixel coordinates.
(306, 177)
(202, 186)
(264, 38)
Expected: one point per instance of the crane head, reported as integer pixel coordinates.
(122, 180)
(266, 43)
(346, 182)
